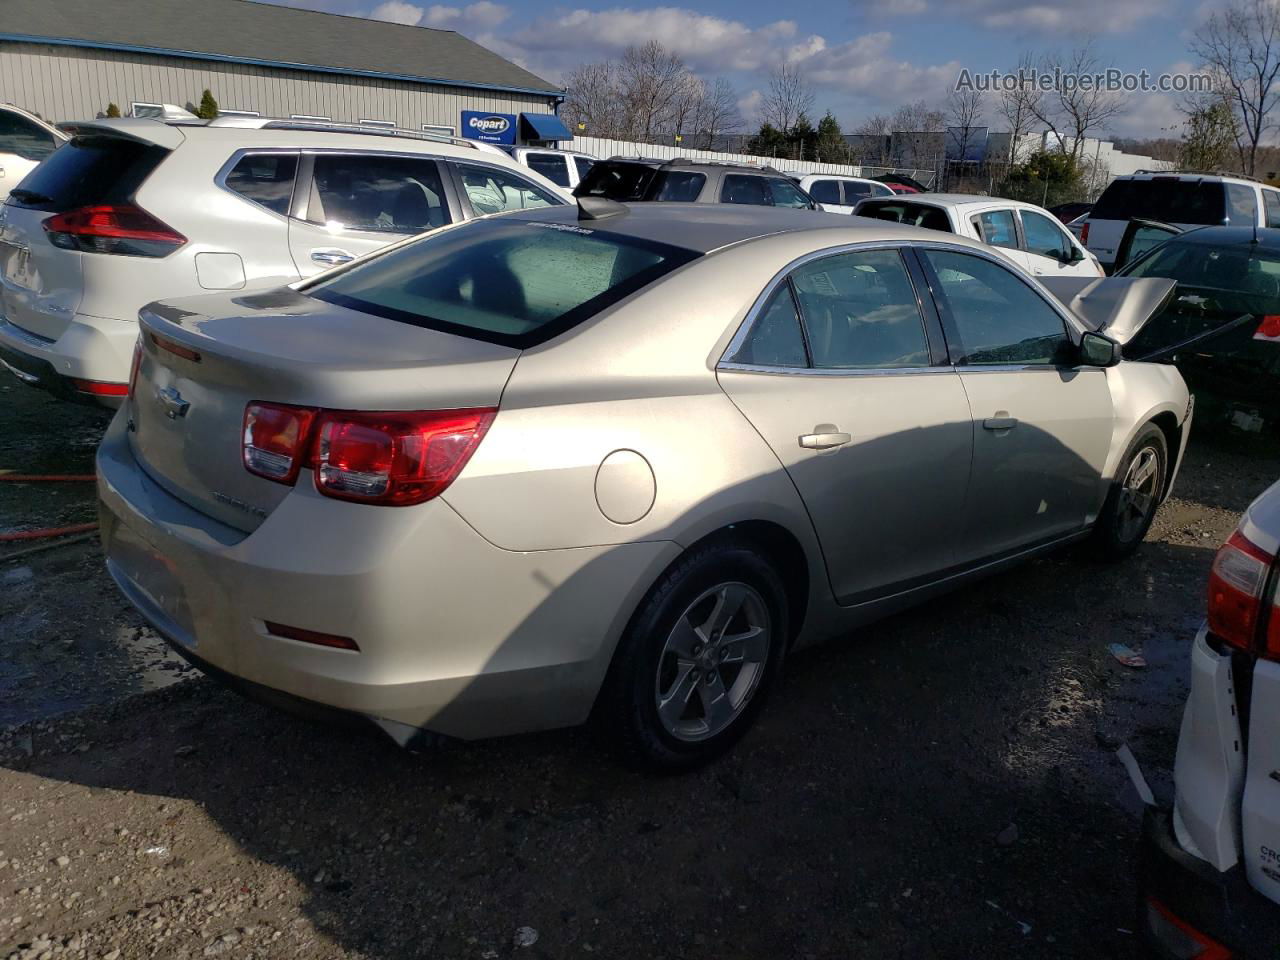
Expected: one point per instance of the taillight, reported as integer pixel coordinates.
(1180, 939)
(133, 367)
(1236, 585)
(1084, 234)
(119, 228)
(276, 438)
(177, 349)
(394, 459)
(100, 388)
(390, 459)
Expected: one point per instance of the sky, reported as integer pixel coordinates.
(859, 56)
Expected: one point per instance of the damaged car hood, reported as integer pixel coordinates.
(1116, 306)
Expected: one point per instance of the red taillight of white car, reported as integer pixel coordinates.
(1084, 234)
(119, 228)
(1237, 597)
(390, 459)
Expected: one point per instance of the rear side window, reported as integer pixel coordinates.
(1271, 200)
(998, 319)
(266, 179)
(859, 310)
(514, 282)
(553, 166)
(89, 170)
(377, 194)
(826, 191)
(997, 228)
(676, 187)
(26, 139)
(1243, 205)
(784, 193)
(775, 339)
(855, 190)
(738, 188)
(616, 181)
(912, 214)
(1170, 199)
(584, 165)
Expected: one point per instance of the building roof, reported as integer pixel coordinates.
(242, 31)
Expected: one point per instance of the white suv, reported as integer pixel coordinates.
(1181, 198)
(135, 210)
(1211, 866)
(839, 194)
(25, 140)
(564, 168)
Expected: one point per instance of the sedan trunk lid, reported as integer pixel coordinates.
(206, 358)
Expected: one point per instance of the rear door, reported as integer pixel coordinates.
(1042, 426)
(553, 166)
(350, 204)
(840, 369)
(999, 228)
(827, 192)
(484, 189)
(41, 285)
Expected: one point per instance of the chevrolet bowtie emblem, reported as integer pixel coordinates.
(174, 405)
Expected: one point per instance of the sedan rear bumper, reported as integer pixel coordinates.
(456, 636)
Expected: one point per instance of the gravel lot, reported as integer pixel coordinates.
(942, 784)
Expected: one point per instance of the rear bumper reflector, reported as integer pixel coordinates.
(310, 636)
(101, 388)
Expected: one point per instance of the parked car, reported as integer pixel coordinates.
(1210, 867)
(137, 209)
(633, 179)
(839, 194)
(1067, 212)
(901, 183)
(1028, 235)
(1176, 197)
(1223, 325)
(25, 140)
(564, 168)
(673, 440)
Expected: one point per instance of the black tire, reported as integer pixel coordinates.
(627, 710)
(1118, 532)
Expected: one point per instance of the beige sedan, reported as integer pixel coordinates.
(613, 462)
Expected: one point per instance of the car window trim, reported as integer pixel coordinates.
(454, 168)
(939, 363)
(1073, 330)
(305, 183)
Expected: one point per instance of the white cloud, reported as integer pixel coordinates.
(1102, 16)
(899, 8)
(397, 11)
(749, 106)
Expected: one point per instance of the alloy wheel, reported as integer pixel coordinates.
(1138, 494)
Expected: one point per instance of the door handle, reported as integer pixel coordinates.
(1001, 421)
(824, 437)
(331, 256)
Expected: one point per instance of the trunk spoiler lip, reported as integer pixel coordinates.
(140, 129)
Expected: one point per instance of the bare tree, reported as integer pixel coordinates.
(789, 97)
(916, 117)
(965, 109)
(1075, 110)
(592, 98)
(652, 78)
(1241, 46)
(686, 106)
(719, 114)
(873, 140)
(1015, 106)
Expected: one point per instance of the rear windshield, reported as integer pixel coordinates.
(904, 211)
(616, 181)
(513, 282)
(1170, 199)
(88, 170)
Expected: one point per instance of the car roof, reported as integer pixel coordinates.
(694, 163)
(705, 227)
(1190, 176)
(34, 118)
(955, 200)
(1231, 237)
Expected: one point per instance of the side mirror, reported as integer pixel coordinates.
(1072, 254)
(1097, 350)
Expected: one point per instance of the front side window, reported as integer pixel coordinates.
(997, 228)
(784, 193)
(28, 140)
(860, 312)
(677, 187)
(377, 194)
(512, 281)
(998, 318)
(491, 190)
(738, 188)
(266, 179)
(1242, 205)
(775, 339)
(826, 191)
(1044, 237)
(855, 190)
(550, 165)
